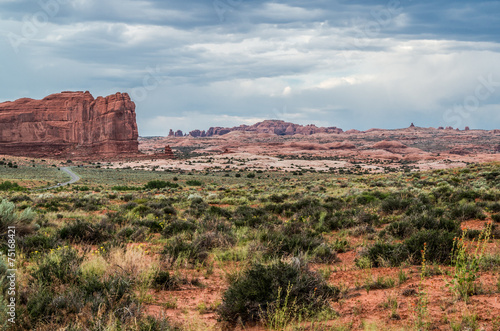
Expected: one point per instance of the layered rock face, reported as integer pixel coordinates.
(277, 127)
(69, 124)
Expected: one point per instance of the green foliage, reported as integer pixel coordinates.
(62, 264)
(9, 186)
(194, 182)
(82, 231)
(159, 184)
(251, 296)
(164, 281)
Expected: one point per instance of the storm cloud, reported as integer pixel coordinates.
(192, 65)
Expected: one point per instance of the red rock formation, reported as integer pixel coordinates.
(467, 128)
(277, 127)
(171, 133)
(197, 133)
(169, 154)
(179, 133)
(387, 145)
(342, 145)
(69, 124)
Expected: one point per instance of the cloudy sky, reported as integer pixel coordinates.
(200, 63)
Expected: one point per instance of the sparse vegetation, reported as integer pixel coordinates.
(107, 252)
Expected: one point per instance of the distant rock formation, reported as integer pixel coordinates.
(169, 154)
(179, 133)
(197, 133)
(69, 124)
(388, 145)
(467, 128)
(171, 133)
(412, 125)
(277, 127)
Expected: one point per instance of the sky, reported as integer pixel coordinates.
(191, 65)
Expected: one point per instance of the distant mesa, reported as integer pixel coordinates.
(276, 127)
(69, 124)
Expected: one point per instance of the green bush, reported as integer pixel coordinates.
(150, 323)
(164, 281)
(439, 246)
(466, 211)
(253, 295)
(37, 242)
(194, 182)
(62, 264)
(9, 186)
(81, 231)
(9, 216)
(159, 184)
(177, 226)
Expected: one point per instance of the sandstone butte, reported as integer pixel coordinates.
(70, 124)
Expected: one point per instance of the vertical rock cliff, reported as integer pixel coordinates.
(69, 124)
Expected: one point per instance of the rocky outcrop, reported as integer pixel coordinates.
(169, 154)
(388, 145)
(197, 133)
(276, 127)
(69, 124)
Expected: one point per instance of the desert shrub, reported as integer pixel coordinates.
(213, 239)
(278, 198)
(253, 295)
(9, 186)
(9, 216)
(197, 207)
(194, 182)
(62, 264)
(81, 231)
(439, 245)
(180, 248)
(365, 198)
(494, 207)
(496, 217)
(177, 226)
(141, 210)
(381, 254)
(36, 243)
(155, 226)
(159, 184)
(23, 198)
(125, 188)
(414, 223)
(466, 211)
(295, 238)
(218, 211)
(110, 294)
(394, 203)
(150, 323)
(248, 216)
(164, 281)
(87, 203)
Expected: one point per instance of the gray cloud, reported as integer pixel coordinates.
(353, 64)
